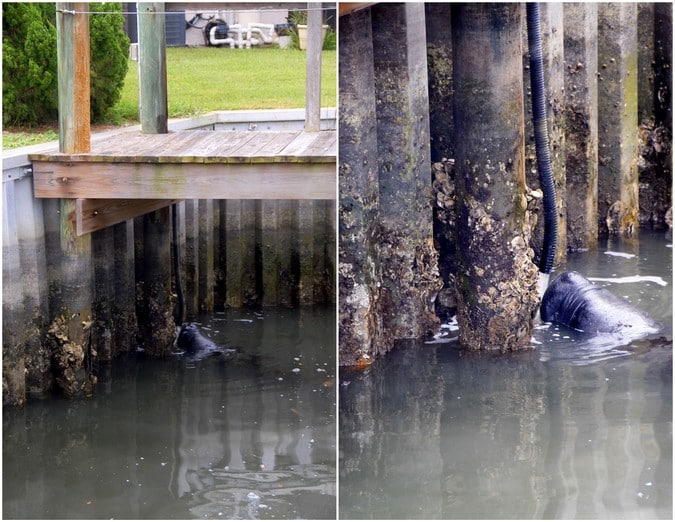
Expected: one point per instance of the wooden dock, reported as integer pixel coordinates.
(133, 173)
(194, 165)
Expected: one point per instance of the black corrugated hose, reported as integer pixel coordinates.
(541, 139)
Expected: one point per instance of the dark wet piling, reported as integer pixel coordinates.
(103, 247)
(158, 329)
(239, 252)
(655, 27)
(125, 330)
(581, 123)
(439, 70)
(617, 118)
(388, 264)
(206, 251)
(410, 280)
(496, 279)
(359, 271)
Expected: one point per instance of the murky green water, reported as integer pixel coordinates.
(575, 428)
(167, 439)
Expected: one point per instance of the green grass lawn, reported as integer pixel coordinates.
(206, 79)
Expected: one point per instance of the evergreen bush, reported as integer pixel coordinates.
(29, 75)
(109, 57)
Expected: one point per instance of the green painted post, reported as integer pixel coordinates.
(152, 75)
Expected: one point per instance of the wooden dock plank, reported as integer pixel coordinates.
(222, 146)
(298, 146)
(324, 144)
(184, 180)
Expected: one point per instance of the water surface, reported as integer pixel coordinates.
(177, 439)
(573, 428)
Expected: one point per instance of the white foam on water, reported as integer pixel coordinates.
(620, 254)
(631, 279)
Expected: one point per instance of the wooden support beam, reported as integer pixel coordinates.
(96, 214)
(184, 180)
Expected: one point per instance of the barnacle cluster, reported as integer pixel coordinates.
(68, 355)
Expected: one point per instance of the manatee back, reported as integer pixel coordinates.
(572, 300)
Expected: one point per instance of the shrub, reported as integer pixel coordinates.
(30, 81)
(29, 77)
(109, 57)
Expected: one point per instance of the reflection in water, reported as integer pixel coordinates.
(183, 439)
(574, 428)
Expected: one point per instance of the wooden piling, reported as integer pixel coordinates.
(410, 278)
(359, 270)
(152, 70)
(269, 253)
(125, 329)
(190, 258)
(325, 254)
(287, 275)
(69, 333)
(496, 279)
(655, 24)
(205, 255)
(617, 119)
(238, 257)
(157, 325)
(103, 249)
(581, 123)
(73, 56)
(231, 255)
(313, 67)
(439, 66)
(304, 216)
(646, 60)
(663, 64)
